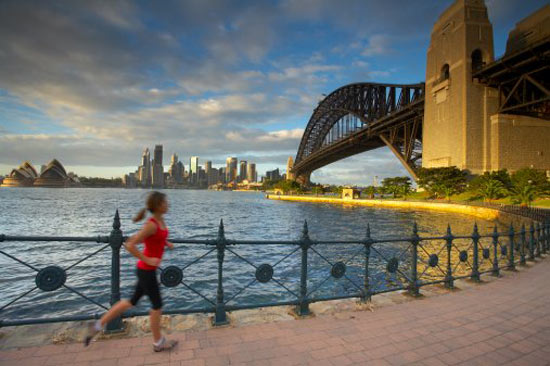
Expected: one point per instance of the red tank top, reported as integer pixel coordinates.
(154, 245)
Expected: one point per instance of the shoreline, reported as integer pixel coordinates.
(480, 212)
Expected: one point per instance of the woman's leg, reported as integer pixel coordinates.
(117, 309)
(155, 313)
(154, 319)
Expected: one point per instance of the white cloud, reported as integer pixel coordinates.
(379, 44)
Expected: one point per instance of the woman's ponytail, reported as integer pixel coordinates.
(140, 215)
(153, 202)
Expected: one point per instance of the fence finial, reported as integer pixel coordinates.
(475, 232)
(116, 221)
(305, 230)
(221, 230)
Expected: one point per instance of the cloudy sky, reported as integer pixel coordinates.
(93, 83)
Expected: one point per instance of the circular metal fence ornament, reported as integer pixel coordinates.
(392, 266)
(504, 251)
(171, 276)
(433, 260)
(338, 270)
(486, 253)
(50, 278)
(463, 256)
(264, 273)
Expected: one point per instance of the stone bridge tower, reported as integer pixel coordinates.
(458, 109)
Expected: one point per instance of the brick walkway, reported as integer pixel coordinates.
(505, 322)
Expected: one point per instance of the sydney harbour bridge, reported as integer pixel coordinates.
(364, 116)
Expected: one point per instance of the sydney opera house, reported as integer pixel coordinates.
(52, 175)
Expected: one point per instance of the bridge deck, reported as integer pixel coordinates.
(504, 322)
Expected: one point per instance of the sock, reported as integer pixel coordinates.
(160, 341)
(98, 325)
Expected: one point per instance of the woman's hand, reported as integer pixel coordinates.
(152, 261)
(170, 245)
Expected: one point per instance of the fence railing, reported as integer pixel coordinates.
(368, 266)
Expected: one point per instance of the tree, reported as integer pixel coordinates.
(524, 194)
(442, 182)
(397, 185)
(491, 189)
(370, 191)
(337, 190)
(499, 175)
(317, 190)
(533, 177)
(288, 186)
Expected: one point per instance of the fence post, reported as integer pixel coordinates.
(220, 317)
(496, 270)
(413, 287)
(475, 268)
(522, 260)
(367, 294)
(532, 242)
(546, 235)
(511, 261)
(539, 239)
(115, 241)
(303, 307)
(449, 280)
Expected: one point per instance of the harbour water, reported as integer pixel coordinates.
(192, 215)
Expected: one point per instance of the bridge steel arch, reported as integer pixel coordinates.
(360, 117)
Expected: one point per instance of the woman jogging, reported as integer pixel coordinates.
(153, 234)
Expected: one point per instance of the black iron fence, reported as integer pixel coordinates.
(370, 266)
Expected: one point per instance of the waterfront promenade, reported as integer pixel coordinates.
(503, 322)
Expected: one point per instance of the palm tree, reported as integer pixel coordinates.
(370, 190)
(491, 189)
(524, 194)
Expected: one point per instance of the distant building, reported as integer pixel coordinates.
(23, 176)
(54, 176)
(158, 168)
(251, 172)
(273, 175)
(289, 166)
(212, 177)
(193, 169)
(144, 170)
(176, 170)
(130, 180)
(230, 169)
(222, 175)
(242, 170)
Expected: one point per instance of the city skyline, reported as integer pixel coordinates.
(151, 173)
(238, 88)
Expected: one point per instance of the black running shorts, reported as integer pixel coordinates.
(147, 285)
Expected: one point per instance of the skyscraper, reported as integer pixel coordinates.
(158, 169)
(242, 170)
(231, 169)
(251, 172)
(176, 169)
(193, 169)
(207, 166)
(158, 155)
(144, 170)
(289, 166)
